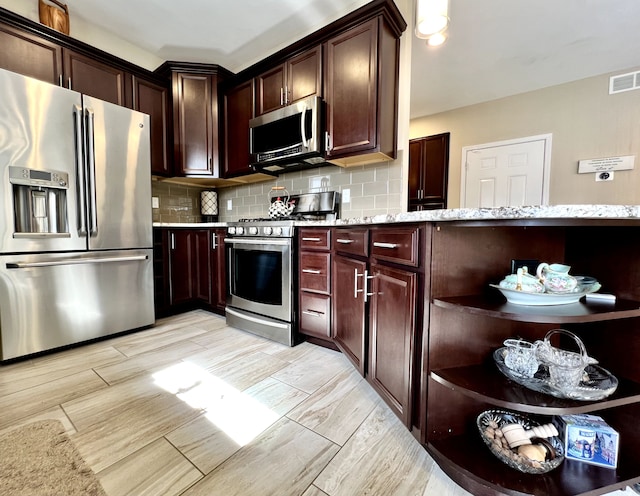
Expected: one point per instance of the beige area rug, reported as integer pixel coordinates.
(39, 459)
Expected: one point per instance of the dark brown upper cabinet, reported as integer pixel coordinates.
(93, 77)
(195, 118)
(361, 94)
(30, 55)
(154, 99)
(238, 111)
(34, 56)
(428, 172)
(295, 79)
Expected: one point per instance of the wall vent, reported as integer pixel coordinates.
(624, 82)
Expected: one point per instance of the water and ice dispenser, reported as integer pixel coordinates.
(39, 202)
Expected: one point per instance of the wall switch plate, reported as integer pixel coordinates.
(155, 202)
(229, 204)
(530, 264)
(346, 195)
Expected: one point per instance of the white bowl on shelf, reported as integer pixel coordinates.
(540, 299)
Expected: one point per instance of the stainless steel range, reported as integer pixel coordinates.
(262, 268)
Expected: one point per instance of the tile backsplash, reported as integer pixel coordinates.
(372, 190)
(176, 202)
(365, 190)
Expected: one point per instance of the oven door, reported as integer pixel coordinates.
(259, 276)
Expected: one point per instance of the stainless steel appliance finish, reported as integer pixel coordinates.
(289, 138)
(75, 230)
(260, 294)
(261, 266)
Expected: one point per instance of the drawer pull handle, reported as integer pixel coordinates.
(313, 313)
(311, 239)
(311, 271)
(344, 241)
(391, 246)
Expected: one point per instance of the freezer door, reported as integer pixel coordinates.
(118, 176)
(38, 132)
(53, 300)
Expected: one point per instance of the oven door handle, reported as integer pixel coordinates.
(258, 321)
(261, 241)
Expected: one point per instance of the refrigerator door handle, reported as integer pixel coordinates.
(80, 170)
(75, 261)
(91, 167)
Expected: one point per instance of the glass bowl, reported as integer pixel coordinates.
(491, 420)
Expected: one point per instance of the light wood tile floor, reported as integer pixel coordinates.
(193, 407)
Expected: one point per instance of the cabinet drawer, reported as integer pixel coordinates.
(354, 241)
(399, 245)
(314, 315)
(315, 239)
(314, 272)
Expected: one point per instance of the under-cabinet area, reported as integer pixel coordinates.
(469, 320)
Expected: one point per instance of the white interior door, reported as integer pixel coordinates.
(509, 173)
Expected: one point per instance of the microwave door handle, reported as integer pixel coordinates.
(80, 171)
(305, 141)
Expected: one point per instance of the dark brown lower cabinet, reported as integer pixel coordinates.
(182, 266)
(377, 320)
(349, 315)
(391, 334)
(189, 270)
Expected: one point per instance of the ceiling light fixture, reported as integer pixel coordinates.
(436, 39)
(432, 20)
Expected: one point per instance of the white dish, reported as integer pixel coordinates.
(540, 299)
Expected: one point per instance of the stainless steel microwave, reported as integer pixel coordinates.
(289, 138)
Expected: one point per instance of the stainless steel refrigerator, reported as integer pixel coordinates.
(75, 227)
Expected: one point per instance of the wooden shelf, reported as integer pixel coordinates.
(486, 383)
(468, 461)
(555, 314)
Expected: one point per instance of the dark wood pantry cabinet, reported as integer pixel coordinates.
(428, 172)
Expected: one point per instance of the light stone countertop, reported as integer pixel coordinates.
(457, 214)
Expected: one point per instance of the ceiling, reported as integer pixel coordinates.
(496, 48)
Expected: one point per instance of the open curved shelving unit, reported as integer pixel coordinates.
(467, 460)
(572, 313)
(485, 383)
(468, 321)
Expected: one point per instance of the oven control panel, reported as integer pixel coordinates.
(276, 230)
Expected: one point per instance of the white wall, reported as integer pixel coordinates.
(586, 122)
